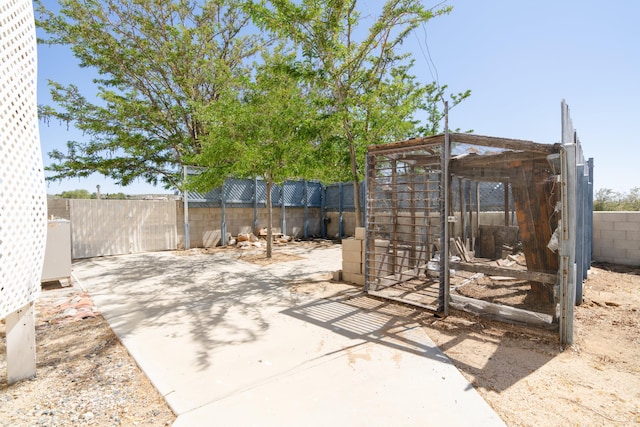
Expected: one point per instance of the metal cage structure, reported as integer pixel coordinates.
(431, 242)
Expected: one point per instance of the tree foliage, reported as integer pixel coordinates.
(76, 194)
(370, 97)
(609, 200)
(263, 127)
(154, 58)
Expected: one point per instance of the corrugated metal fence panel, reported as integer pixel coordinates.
(115, 227)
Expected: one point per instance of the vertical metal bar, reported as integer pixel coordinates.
(185, 201)
(283, 213)
(443, 294)
(306, 209)
(580, 230)
(369, 236)
(414, 229)
(340, 194)
(469, 233)
(590, 212)
(255, 204)
(323, 210)
(427, 216)
(223, 224)
(461, 207)
(505, 186)
(394, 218)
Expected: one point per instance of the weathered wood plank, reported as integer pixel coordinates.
(535, 276)
(502, 312)
(508, 143)
(535, 196)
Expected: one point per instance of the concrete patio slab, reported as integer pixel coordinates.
(229, 342)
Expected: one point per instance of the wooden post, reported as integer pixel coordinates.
(469, 241)
(461, 199)
(21, 344)
(535, 199)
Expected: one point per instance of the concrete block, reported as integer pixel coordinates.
(626, 244)
(358, 279)
(626, 226)
(211, 238)
(352, 245)
(610, 216)
(603, 243)
(634, 217)
(347, 277)
(633, 235)
(337, 276)
(360, 233)
(351, 267)
(352, 256)
(615, 235)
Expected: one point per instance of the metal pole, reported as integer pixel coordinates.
(283, 213)
(185, 202)
(223, 225)
(306, 209)
(340, 211)
(323, 210)
(443, 294)
(255, 204)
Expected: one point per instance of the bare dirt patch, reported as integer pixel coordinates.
(261, 258)
(530, 380)
(85, 376)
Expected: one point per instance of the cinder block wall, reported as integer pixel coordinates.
(59, 208)
(348, 224)
(205, 223)
(616, 237)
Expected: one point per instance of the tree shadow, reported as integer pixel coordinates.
(516, 351)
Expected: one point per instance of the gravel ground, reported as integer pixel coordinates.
(85, 376)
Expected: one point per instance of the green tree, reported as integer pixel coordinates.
(369, 95)
(263, 127)
(76, 194)
(154, 58)
(609, 200)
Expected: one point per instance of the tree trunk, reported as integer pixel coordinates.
(269, 218)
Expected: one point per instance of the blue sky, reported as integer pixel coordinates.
(519, 58)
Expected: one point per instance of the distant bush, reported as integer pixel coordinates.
(84, 194)
(609, 200)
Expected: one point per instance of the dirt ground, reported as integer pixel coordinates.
(530, 380)
(86, 377)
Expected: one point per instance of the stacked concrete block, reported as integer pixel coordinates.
(616, 237)
(353, 258)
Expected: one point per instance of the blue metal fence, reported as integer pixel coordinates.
(247, 193)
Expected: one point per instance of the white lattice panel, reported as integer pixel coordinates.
(23, 204)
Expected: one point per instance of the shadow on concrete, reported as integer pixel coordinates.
(221, 300)
(517, 351)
